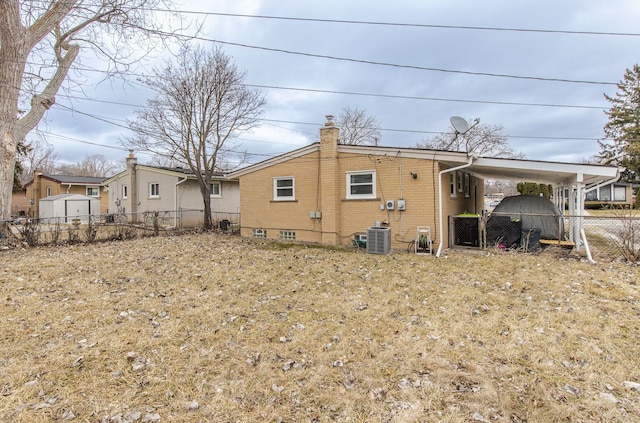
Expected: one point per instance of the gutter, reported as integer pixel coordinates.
(472, 157)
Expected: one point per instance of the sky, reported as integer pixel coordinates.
(539, 69)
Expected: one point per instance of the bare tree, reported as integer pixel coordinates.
(357, 127)
(201, 106)
(39, 155)
(93, 165)
(485, 140)
(39, 43)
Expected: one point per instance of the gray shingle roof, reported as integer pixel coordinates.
(77, 180)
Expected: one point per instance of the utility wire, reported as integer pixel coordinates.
(412, 25)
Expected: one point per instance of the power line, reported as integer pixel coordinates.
(397, 65)
(412, 25)
(404, 97)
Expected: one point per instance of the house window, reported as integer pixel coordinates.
(259, 233)
(459, 181)
(452, 186)
(215, 189)
(619, 193)
(467, 185)
(605, 193)
(124, 191)
(154, 190)
(283, 188)
(287, 235)
(361, 184)
(93, 191)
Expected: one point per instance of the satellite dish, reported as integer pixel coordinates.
(460, 124)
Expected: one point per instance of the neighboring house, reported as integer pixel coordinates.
(618, 194)
(42, 186)
(19, 203)
(330, 193)
(142, 188)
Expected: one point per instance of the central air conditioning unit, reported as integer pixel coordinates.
(378, 241)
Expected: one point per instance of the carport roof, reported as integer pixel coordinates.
(560, 174)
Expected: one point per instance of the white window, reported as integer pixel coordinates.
(93, 191)
(48, 191)
(467, 185)
(215, 189)
(287, 235)
(619, 194)
(154, 190)
(361, 184)
(452, 189)
(284, 188)
(459, 181)
(259, 233)
(124, 191)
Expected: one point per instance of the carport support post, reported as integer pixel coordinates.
(577, 227)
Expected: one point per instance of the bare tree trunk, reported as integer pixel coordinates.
(208, 222)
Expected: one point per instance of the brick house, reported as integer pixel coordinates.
(329, 193)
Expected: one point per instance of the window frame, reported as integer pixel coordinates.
(350, 184)
(151, 189)
(259, 233)
(97, 191)
(453, 192)
(219, 193)
(285, 235)
(125, 192)
(48, 191)
(467, 185)
(277, 189)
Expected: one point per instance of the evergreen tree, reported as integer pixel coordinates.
(623, 127)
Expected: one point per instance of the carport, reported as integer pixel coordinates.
(570, 181)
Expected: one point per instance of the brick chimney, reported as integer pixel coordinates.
(329, 136)
(132, 183)
(330, 195)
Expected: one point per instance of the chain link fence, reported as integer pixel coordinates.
(114, 226)
(615, 236)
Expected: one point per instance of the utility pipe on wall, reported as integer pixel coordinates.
(472, 157)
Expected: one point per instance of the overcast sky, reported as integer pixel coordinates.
(540, 73)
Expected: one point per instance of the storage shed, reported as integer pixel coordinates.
(69, 207)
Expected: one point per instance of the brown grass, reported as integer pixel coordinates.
(212, 328)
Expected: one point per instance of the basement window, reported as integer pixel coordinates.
(287, 235)
(259, 233)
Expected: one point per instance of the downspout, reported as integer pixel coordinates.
(68, 188)
(176, 197)
(472, 157)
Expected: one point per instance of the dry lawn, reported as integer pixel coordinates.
(209, 328)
